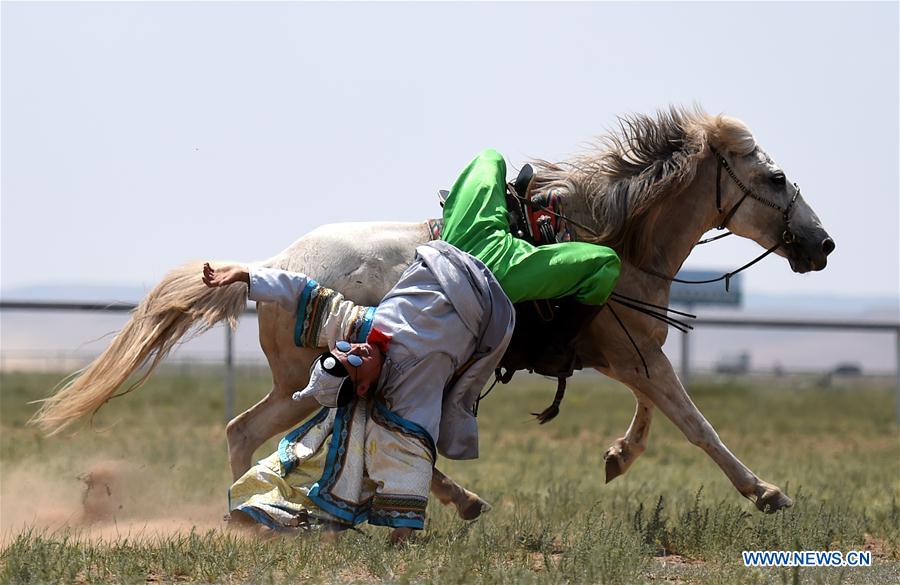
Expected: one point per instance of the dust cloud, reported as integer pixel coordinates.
(110, 499)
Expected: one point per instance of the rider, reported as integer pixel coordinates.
(437, 337)
(404, 394)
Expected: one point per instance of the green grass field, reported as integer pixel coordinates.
(156, 465)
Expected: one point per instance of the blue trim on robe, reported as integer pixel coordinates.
(319, 492)
(301, 311)
(367, 325)
(416, 523)
(263, 518)
(408, 425)
(287, 458)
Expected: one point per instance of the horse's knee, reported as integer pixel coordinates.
(240, 446)
(703, 435)
(704, 442)
(235, 432)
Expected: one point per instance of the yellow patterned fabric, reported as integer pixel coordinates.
(342, 467)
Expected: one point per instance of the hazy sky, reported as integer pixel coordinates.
(136, 137)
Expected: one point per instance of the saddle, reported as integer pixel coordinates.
(545, 332)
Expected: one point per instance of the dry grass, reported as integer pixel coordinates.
(158, 468)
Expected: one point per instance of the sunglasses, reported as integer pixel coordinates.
(353, 359)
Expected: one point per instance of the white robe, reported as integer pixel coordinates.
(449, 323)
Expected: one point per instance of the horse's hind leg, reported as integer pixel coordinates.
(625, 450)
(275, 413)
(468, 505)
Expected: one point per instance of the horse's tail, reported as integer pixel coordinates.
(178, 303)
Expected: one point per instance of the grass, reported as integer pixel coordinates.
(161, 454)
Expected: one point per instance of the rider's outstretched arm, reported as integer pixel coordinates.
(264, 284)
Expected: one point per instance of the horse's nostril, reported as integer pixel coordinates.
(828, 246)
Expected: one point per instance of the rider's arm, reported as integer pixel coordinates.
(277, 286)
(264, 284)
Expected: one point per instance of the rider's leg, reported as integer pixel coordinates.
(475, 209)
(475, 222)
(586, 271)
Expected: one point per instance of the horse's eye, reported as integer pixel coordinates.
(778, 179)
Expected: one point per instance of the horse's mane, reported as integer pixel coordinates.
(645, 160)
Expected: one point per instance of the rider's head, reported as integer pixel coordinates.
(347, 371)
(363, 361)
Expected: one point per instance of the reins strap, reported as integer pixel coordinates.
(726, 277)
(732, 211)
(499, 376)
(713, 239)
(617, 296)
(718, 183)
(630, 338)
(670, 321)
(488, 391)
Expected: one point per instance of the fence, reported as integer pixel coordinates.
(882, 327)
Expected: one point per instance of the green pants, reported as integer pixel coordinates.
(475, 222)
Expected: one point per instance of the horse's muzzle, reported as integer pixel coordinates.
(805, 256)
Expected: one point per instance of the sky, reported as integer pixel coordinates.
(139, 136)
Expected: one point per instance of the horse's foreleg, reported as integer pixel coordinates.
(625, 450)
(275, 413)
(667, 393)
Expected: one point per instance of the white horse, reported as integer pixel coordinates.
(651, 192)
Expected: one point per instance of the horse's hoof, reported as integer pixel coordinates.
(772, 500)
(473, 509)
(614, 467)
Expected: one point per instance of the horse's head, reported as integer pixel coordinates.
(756, 200)
(628, 191)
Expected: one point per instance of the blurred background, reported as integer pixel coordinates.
(136, 137)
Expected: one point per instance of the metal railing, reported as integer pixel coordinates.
(757, 323)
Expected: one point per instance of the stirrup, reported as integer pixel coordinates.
(442, 196)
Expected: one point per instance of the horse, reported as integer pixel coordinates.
(650, 189)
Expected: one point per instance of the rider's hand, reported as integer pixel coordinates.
(213, 277)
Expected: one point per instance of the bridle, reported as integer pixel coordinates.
(787, 236)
